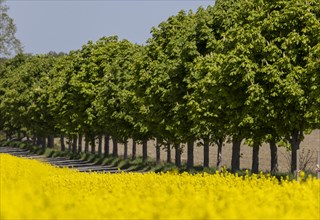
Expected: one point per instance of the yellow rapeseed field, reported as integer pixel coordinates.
(34, 190)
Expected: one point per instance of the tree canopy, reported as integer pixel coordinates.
(238, 70)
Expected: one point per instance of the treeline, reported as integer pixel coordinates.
(238, 70)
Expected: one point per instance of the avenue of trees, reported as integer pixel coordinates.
(239, 71)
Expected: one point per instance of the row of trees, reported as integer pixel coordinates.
(238, 70)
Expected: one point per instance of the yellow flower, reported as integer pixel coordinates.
(35, 190)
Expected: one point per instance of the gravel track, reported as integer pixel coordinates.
(80, 165)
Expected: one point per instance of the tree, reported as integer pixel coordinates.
(75, 87)
(264, 61)
(8, 42)
(170, 50)
(216, 101)
(290, 32)
(57, 90)
(206, 106)
(116, 103)
(24, 100)
(6, 83)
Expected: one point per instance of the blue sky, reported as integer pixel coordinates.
(60, 25)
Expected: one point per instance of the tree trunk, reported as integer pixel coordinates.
(219, 153)
(8, 136)
(74, 144)
(168, 153)
(80, 143)
(144, 150)
(235, 161)
(134, 149)
(205, 152)
(19, 135)
(274, 156)
(125, 150)
(177, 155)
(43, 142)
(115, 147)
(93, 144)
(39, 141)
(86, 144)
(50, 141)
(25, 135)
(190, 155)
(34, 140)
(100, 144)
(255, 158)
(295, 145)
(106, 145)
(158, 152)
(69, 143)
(63, 146)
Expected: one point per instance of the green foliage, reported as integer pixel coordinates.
(8, 42)
(115, 104)
(244, 69)
(256, 77)
(171, 50)
(23, 94)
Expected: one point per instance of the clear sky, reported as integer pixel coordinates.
(64, 25)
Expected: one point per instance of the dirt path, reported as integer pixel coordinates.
(80, 165)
